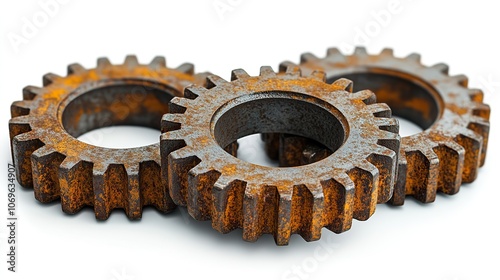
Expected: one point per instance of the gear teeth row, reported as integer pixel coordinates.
(213, 186)
(86, 175)
(457, 142)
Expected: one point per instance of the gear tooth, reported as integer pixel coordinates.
(333, 52)
(306, 57)
(75, 68)
(109, 183)
(267, 71)
(131, 61)
(441, 67)
(228, 203)
(307, 211)
(158, 62)
(214, 80)
(192, 92)
(387, 52)
(232, 149)
(200, 79)
(168, 145)
(253, 211)
(339, 197)
(75, 182)
(414, 57)
(45, 163)
(49, 78)
(238, 74)
(284, 65)
(293, 71)
(103, 62)
(154, 190)
(290, 149)
(19, 125)
(388, 124)
(178, 105)
(475, 94)
(132, 197)
(271, 144)
(422, 174)
(173, 140)
(380, 110)
(343, 84)
(283, 229)
(319, 75)
(390, 141)
(179, 163)
(482, 128)
(24, 143)
(367, 96)
(20, 108)
(201, 180)
(187, 68)
(171, 122)
(399, 193)
(365, 177)
(30, 92)
(472, 143)
(451, 158)
(360, 51)
(314, 153)
(481, 110)
(385, 160)
(462, 80)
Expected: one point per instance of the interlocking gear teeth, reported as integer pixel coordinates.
(455, 138)
(45, 124)
(232, 193)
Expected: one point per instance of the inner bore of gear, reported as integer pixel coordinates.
(283, 113)
(423, 106)
(124, 102)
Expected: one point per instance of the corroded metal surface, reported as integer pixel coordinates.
(45, 125)
(281, 201)
(454, 119)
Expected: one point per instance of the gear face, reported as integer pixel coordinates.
(282, 201)
(45, 126)
(454, 119)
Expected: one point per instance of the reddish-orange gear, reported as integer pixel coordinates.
(454, 119)
(45, 126)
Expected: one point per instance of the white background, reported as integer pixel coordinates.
(455, 238)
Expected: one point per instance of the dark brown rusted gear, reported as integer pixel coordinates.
(454, 119)
(45, 126)
(281, 201)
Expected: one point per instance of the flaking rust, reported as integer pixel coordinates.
(232, 193)
(46, 123)
(454, 119)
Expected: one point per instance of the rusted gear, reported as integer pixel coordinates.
(454, 119)
(45, 125)
(281, 201)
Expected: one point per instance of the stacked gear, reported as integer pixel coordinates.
(320, 119)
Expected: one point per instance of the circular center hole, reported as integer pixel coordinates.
(279, 112)
(410, 98)
(130, 110)
(121, 137)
